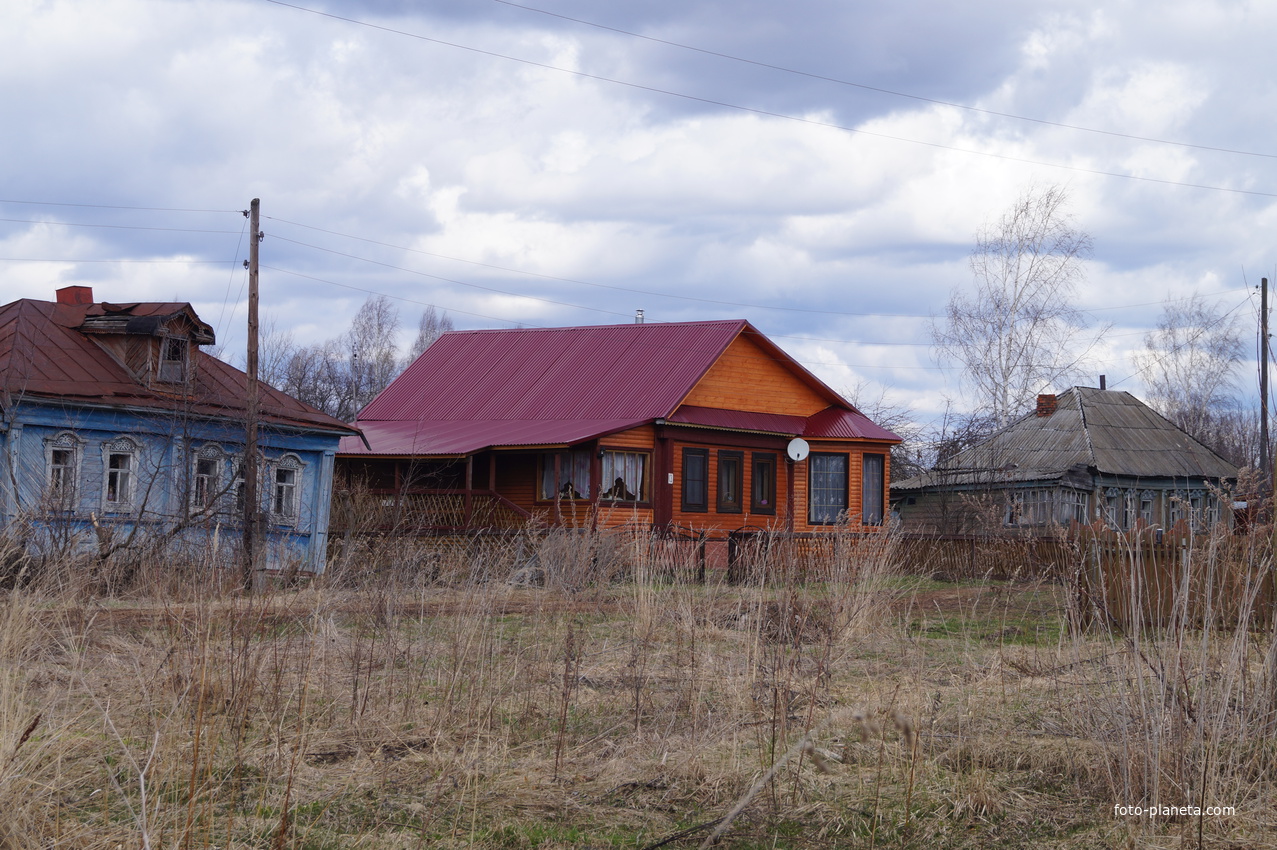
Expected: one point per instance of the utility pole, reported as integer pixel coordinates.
(251, 491)
(1265, 483)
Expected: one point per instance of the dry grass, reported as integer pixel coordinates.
(419, 699)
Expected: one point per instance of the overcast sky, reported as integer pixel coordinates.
(817, 167)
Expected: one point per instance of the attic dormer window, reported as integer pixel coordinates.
(173, 354)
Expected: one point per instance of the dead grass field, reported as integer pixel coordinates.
(857, 709)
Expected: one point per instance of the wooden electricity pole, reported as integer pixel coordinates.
(251, 491)
(1265, 483)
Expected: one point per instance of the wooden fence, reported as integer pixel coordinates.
(1153, 579)
(1133, 579)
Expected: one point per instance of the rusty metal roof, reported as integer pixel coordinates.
(47, 352)
(473, 390)
(1109, 432)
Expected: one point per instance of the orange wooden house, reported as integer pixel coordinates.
(705, 426)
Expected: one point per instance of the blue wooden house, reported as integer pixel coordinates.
(117, 431)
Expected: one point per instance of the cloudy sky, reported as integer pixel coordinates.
(817, 167)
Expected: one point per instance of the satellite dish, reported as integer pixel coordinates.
(797, 449)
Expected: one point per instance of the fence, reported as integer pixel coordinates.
(1156, 579)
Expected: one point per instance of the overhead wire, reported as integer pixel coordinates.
(892, 92)
(669, 295)
(780, 115)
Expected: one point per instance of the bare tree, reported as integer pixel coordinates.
(434, 323)
(906, 456)
(1189, 365)
(372, 355)
(341, 375)
(1017, 332)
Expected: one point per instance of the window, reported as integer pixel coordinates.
(762, 490)
(827, 487)
(1036, 507)
(237, 485)
(285, 501)
(1073, 507)
(62, 454)
(1146, 508)
(625, 476)
(730, 468)
(1115, 507)
(1197, 510)
(1014, 509)
(873, 467)
(696, 479)
(285, 482)
(205, 490)
(573, 481)
(206, 477)
(173, 359)
(119, 482)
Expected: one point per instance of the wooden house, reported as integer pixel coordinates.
(705, 426)
(1085, 456)
(116, 429)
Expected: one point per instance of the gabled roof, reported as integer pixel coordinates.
(49, 351)
(1109, 432)
(473, 390)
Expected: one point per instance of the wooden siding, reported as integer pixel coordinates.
(747, 378)
(517, 479)
(642, 438)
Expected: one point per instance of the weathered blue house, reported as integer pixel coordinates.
(117, 430)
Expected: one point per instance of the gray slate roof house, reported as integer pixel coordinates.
(1084, 455)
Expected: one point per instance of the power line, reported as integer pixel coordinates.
(653, 293)
(450, 280)
(597, 285)
(113, 226)
(121, 261)
(879, 90)
(542, 327)
(113, 206)
(780, 115)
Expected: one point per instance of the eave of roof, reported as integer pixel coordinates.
(46, 356)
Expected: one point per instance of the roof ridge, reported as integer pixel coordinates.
(1086, 428)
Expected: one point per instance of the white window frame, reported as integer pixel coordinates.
(56, 497)
(1148, 507)
(1072, 507)
(1177, 508)
(213, 500)
(1115, 508)
(125, 502)
(286, 463)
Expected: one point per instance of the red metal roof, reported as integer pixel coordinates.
(554, 374)
(739, 420)
(846, 423)
(473, 390)
(44, 353)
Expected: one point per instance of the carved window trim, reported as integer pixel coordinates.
(120, 467)
(63, 463)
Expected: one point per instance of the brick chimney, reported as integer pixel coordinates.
(76, 295)
(1046, 404)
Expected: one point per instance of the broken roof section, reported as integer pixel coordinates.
(55, 352)
(474, 390)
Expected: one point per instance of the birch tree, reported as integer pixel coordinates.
(1016, 332)
(1189, 366)
(434, 323)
